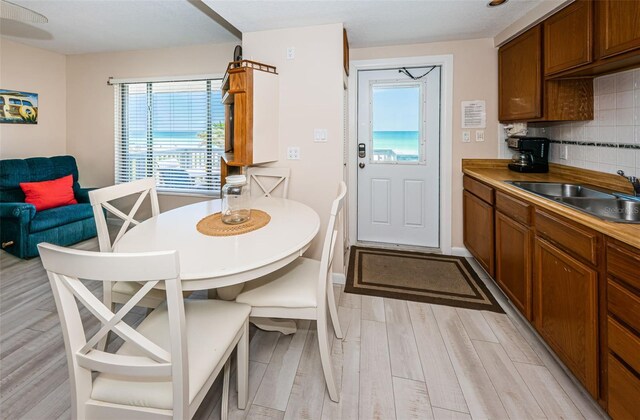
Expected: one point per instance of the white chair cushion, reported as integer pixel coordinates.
(293, 286)
(123, 290)
(211, 326)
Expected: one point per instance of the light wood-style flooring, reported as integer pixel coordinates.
(398, 360)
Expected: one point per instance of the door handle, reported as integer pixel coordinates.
(361, 165)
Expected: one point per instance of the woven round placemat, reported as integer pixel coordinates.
(212, 225)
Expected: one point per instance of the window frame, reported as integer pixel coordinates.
(121, 150)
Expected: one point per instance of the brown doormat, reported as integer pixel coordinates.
(431, 278)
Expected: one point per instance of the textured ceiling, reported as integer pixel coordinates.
(374, 23)
(84, 26)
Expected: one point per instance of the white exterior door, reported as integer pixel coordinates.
(399, 156)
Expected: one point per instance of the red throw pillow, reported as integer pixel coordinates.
(49, 194)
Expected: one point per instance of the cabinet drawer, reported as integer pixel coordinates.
(624, 304)
(580, 242)
(624, 391)
(624, 343)
(624, 264)
(479, 189)
(514, 208)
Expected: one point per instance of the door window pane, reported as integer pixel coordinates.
(396, 123)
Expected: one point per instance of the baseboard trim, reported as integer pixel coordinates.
(338, 278)
(460, 251)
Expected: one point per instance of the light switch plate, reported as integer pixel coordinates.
(466, 136)
(564, 152)
(293, 153)
(291, 53)
(480, 135)
(320, 135)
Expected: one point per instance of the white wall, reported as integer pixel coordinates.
(311, 96)
(475, 76)
(43, 72)
(90, 101)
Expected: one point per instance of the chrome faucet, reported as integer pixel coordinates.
(634, 181)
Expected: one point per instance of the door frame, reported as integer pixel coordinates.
(446, 136)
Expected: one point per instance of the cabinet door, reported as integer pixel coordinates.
(568, 37)
(566, 310)
(520, 77)
(618, 26)
(513, 262)
(479, 230)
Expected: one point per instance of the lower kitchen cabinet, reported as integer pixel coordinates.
(565, 293)
(624, 388)
(479, 230)
(513, 262)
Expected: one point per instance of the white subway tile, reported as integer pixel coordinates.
(607, 101)
(624, 81)
(625, 134)
(624, 99)
(591, 134)
(607, 117)
(591, 153)
(626, 157)
(625, 116)
(606, 84)
(608, 155)
(608, 168)
(606, 134)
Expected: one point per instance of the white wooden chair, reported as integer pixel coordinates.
(302, 290)
(168, 363)
(121, 292)
(263, 182)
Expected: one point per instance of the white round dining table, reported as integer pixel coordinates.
(209, 262)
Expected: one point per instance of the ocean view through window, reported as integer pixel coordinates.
(172, 131)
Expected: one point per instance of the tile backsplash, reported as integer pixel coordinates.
(612, 140)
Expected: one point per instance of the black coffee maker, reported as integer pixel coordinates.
(532, 154)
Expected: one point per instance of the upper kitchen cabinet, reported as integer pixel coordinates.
(520, 77)
(568, 38)
(250, 94)
(618, 27)
(524, 94)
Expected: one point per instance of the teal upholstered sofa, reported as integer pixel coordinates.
(21, 227)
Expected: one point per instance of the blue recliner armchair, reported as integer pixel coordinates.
(21, 227)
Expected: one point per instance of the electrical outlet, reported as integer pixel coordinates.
(564, 152)
(480, 135)
(320, 135)
(466, 136)
(291, 53)
(293, 153)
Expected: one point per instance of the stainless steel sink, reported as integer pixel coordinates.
(612, 206)
(616, 210)
(553, 189)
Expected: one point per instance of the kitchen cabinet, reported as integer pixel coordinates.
(524, 94)
(568, 38)
(520, 77)
(618, 27)
(514, 251)
(565, 294)
(250, 95)
(478, 228)
(623, 326)
(582, 287)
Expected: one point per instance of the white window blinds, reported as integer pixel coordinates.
(172, 131)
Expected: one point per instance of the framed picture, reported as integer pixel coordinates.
(18, 107)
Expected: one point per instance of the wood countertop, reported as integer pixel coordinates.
(494, 172)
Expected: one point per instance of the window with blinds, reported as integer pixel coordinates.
(172, 131)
